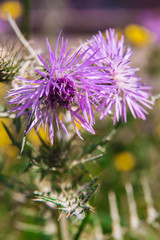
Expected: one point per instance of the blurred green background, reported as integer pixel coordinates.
(127, 201)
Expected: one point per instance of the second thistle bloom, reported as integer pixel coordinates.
(61, 86)
(120, 86)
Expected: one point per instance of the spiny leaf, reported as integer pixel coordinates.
(14, 142)
(13, 183)
(51, 200)
(84, 191)
(89, 194)
(17, 123)
(90, 184)
(72, 202)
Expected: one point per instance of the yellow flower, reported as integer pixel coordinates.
(118, 31)
(14, 8)
(124, 161)
(137, 35)
(3, 90)
(6, 146)
(11, 151)
(4, 138)
(78, 125)
(157, 129)
(34, 139)
(158, 103)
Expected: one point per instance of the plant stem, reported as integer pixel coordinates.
(156, 97)
(63, 233)
(81, 228)
(22, 39)
(83, 161)
(64, 228)
(26, 19)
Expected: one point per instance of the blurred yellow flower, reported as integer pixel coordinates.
(14, 8)
(34, 139)
(11, 151)
(157, 129)
(4, 138)
(61, 116)
(118, 31)
(124, 161)
(78, 125)
(3, 90)
(158, 103)
(6, 146)
(137, 35)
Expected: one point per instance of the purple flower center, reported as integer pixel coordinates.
(62, 96)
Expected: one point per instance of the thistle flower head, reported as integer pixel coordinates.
(61, 86)
(120, 86)
(9, 63)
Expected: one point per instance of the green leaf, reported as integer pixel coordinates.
(14, 142)
(51, 200)
(23, 166)
(17, 123)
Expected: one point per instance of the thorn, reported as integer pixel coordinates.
(59, 216)
(23, 142)
(92, 209)
(68, 215)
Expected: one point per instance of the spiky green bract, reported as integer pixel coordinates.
(9, 63)
(73, 203)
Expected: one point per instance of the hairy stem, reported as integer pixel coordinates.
(81, 228)
(62, 226)
(26, 18)
(22, 39)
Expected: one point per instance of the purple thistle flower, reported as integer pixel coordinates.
(120, 86)
(63, 84)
